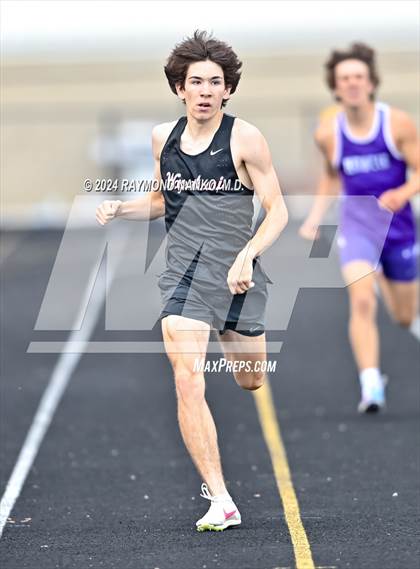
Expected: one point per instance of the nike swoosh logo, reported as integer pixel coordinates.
(228, 514)
(212, 153)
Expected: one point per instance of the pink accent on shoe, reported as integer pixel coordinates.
(229, 514)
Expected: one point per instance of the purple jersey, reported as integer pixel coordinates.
(370, 166)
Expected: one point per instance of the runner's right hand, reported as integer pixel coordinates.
(107, 211)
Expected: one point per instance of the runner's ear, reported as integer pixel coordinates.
(180, 91)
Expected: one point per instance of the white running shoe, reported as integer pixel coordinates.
(373, 397)
(222, 513)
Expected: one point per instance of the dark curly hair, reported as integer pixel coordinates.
(201, 47)
(359, 51)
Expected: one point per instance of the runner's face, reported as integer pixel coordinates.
(352, 83)
(204, 89)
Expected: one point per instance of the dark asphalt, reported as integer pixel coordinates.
(113, 486)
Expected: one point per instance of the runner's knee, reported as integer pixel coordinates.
(250, 381)
(190, 386)
(364, 305)
(404, 320)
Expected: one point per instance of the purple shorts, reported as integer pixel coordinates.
(398, 261)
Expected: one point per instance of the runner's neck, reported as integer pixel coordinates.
(197, 131)
(360, 119)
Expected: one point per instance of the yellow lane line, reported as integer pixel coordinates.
(272, 435)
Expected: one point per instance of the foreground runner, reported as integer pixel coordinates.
(212, 257)
(370, 145)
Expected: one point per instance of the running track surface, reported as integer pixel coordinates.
(112, 485)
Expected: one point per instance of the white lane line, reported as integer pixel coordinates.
(56, 386)
(415, 327)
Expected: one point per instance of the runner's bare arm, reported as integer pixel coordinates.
(328, 185)
(407, 141)
(258, 163)
(149, 206)
(256, 157)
